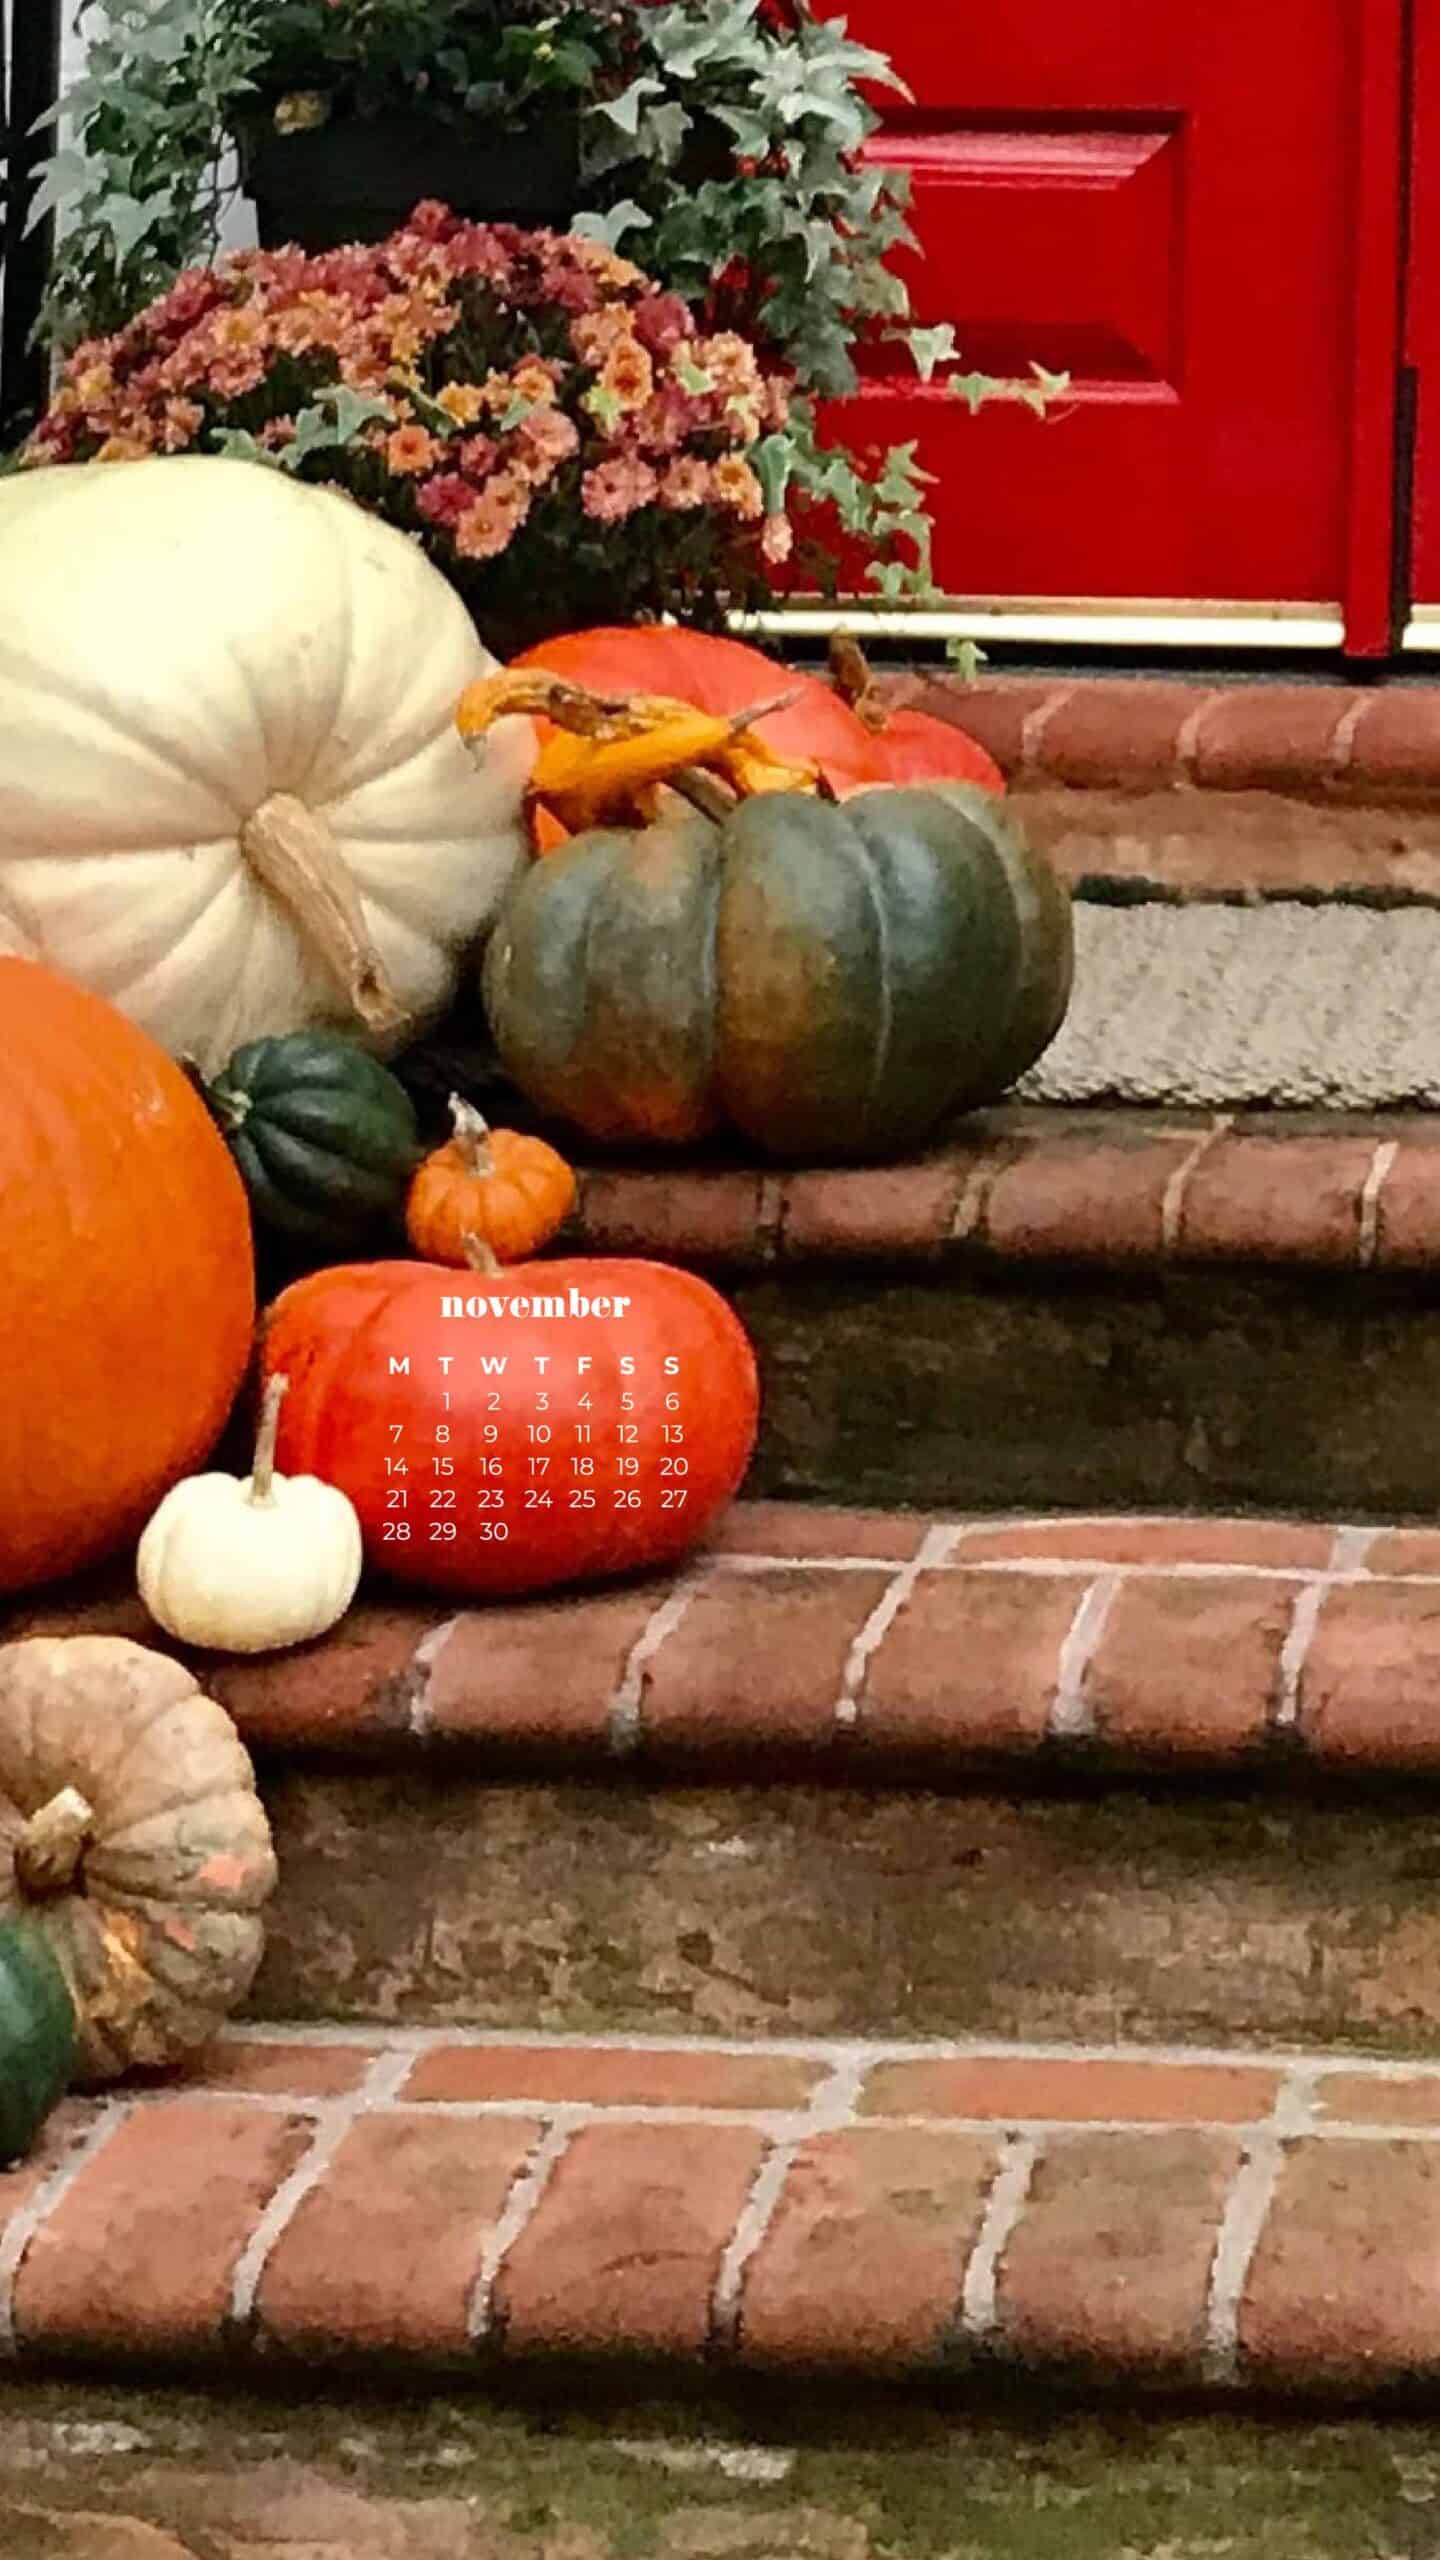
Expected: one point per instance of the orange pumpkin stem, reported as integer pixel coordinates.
(471, 1136)
(262, 1473)
(49, 1849)
(481, 1256)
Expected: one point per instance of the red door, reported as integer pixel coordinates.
(1193, 207)
(1422, 336)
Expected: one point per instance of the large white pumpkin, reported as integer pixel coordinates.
(232, 796)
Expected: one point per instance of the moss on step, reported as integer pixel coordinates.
(108, 2475)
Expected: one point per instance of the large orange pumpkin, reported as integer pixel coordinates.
(127, 1294)
(501, 1450)
(725, 676)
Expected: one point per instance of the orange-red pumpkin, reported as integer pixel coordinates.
(553, 1448)
(726, 676)
(127, 1295)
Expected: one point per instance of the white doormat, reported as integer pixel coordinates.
(1279, 1003)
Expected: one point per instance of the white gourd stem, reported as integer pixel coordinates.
(262, 1473)
(471, 1134)
(292, 850)
(481, 1256)
(49, 1850)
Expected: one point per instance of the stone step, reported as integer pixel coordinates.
(459, 2207)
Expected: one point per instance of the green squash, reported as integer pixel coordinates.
(38, 2044)
(833, 981)
(326, 1138)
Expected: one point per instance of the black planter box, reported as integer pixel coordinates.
(360, 178)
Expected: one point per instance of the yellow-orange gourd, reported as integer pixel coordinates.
(493, 1187)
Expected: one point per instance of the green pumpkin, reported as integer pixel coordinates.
(38, 2049)
(325, 1137)
(834, 981)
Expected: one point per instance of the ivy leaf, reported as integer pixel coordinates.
(610, 228)
(965, 659)
(664, 133)
(236, 444)
(624, 112)
(931, 347)
(773, 462)
(64, 176)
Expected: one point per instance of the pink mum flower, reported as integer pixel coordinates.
(444, 499)
(686, 484)
(487, 527)
(615, 490)
(595, 333)
(777, 540)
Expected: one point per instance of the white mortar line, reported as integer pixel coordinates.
(1004, 2206)
(770, 1215)
(1081, 1568)
(334, 2119)
(1247, 2210)
(1071, 1715)
(831, 2109)
(969, 1211)
(520, 2205)
(1036, 722)
(426, 1655)
(1375, 1181)
(877, 2049)
(1342, 741)
(1346, 1561)
(22, 2227)
(1172, 1206)
(1188, 739)
(623, 1714)
(934, 1549)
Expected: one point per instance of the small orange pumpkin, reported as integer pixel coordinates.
(508, 1191)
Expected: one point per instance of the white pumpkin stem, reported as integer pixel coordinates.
(49, 1849)
(262, 1472)
(482, 1257)
(291, 849)
(471, 1134)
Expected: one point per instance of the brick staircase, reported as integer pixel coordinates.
(979, 1923)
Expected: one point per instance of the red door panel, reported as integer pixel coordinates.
(1422, 334)
(1173, 201)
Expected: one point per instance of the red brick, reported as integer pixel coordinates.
(140, 2253)
(798, 1530)
(864, 2256)
(612, 2076)
(906, 1208)
(1122, 732)
(1370, 1684)
(355, 1685)
(384, 2253)
(20, 2184)
(1009, 2089)
(538, 1673)
(1190, 1670)
(970, 1664)
(282, 2070)
(1344, 2288)
(1369, 2097)
(1407, 1211)
(624, 2249)
(1108, 2268)
(673, 1216)
(1396, 746)
(1087, 1200)
(758, 1661)
(993, 711)
(1277, 1200)
(1404, 1551)
(1280, 1545)
(1271, 737)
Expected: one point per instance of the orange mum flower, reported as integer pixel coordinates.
(737, 488)
(628, 374)
(410, 449)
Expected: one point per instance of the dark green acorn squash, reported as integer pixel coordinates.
(832, 980)
(38, 2044)
(326, 1138)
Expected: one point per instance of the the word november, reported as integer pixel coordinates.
(577, 1304)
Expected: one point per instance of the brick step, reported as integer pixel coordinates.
(880, 1649)
(1215, 790)
(1117, 1308)
(1193, 2220)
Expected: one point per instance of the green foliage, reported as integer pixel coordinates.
(722, 148)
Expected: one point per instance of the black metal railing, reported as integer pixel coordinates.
(29, 83)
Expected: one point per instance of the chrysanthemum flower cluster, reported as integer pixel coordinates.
(551, 426)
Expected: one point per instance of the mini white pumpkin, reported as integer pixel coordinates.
(248, 1564)
(232, 795)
